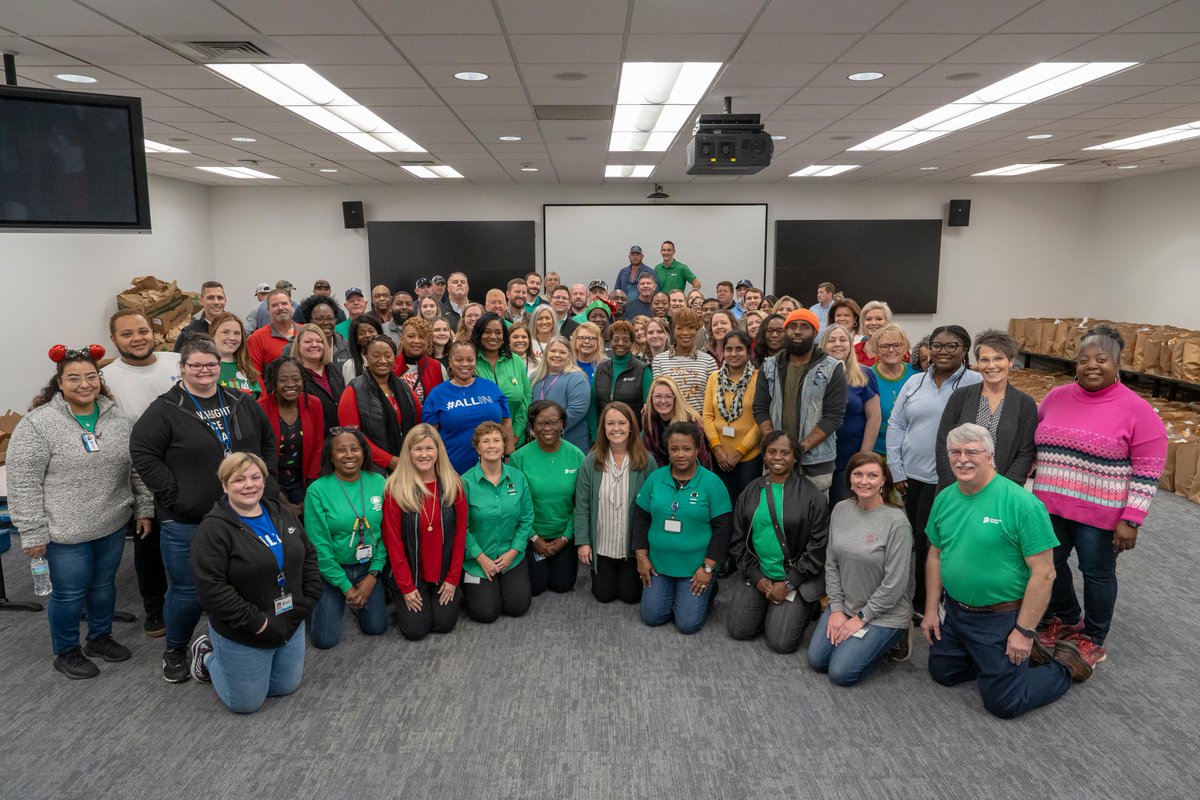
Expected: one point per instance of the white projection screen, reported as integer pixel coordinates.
(719, 242)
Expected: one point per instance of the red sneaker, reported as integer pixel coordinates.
(1092, 653)
(1054, 630)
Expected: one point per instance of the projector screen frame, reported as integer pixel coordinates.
(651, 253)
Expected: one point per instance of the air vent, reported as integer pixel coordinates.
(573, 112)
(210, 50)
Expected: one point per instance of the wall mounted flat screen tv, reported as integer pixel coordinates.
(489, 252)
(71, 161)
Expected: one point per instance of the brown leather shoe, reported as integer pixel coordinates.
(1066, 652)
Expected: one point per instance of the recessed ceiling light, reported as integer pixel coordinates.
(1027, 86)
(529, 169)
(328, 170)
(238, 172)
(823, 170)
(1177, 133)
(776, 137)
(439, 171)
(655, 100)
(246, 139)
(471, 76)
(1128, 166)
(928, 169)
(69, 78)
(1037, 136)
(509, 138)
(865, 76)
(1015, 169)
(299, 89)
(628, 170)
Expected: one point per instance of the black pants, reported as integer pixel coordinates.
(556, 573)
(507, 593)
(741, 476)
(151, 574)
(433, 616)
(917, 505)
(750, 613)
(616, 578)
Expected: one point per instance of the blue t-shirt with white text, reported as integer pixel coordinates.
(458, 410)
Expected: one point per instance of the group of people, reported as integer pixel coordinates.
(442, 457)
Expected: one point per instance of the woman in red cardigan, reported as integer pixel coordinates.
(413, 363)
(380, 404)
(299, 426)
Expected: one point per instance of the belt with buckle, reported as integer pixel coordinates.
(997, 608)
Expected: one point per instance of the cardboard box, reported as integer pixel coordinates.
(8, 424)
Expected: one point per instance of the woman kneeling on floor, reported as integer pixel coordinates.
(257, 577)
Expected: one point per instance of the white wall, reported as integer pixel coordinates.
(1019, 257)
(1145, 263)
(62, 287)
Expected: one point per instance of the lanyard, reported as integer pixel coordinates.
(275, 545)
(221, 433)
(678, 488)
(361, 525)
(546, 387)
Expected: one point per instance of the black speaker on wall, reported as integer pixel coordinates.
(352, 214)
(960, 213)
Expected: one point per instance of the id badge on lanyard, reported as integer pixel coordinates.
(363, 551)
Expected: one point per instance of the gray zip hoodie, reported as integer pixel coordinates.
(57, 491)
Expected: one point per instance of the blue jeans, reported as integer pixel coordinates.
(973, 647)
(181, 611)
(327, 616)
(666, 597)
(83, 576)
(1098, 563)
(245, 676)
(852, 660)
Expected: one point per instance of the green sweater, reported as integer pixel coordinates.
(512, 377)
(499, 517)
(329, 523)
(551, 479)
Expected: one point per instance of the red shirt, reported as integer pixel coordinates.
(431, 543)
(348, 415)
(264, 346)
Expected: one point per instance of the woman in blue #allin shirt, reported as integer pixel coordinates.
(457, 406)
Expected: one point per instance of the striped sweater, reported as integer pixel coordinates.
(1099, 455)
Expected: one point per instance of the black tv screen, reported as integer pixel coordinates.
(488, 252)
(71, 160)
(895, 260)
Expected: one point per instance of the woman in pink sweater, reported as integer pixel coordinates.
(1100, 453)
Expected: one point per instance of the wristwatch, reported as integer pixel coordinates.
(1028, 634)
(709, 570)
(1132, 524)
(788, 585)
(374, 573)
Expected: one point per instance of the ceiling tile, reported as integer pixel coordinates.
(564, 16)
(828, 113)
(894, 75)
(113, 49)
(552, 49)
(441, 76)
(1019, 49)
(277, 17)
(372, 97)
(180, 114)
(514, 112)
(192, 76)
(462, 50)
(1132, 46)
(33, 54)
(793, 76)
(1081, 16)
(107, 81)
(56, 18)
(1175, 18)
(906, 48)
(335, 49)
(581, 96)
(857, 17)
(1171, 94)
(172, 17)
(597, 75)
(498, 96)
(684, 47)
(777, 48)
(835, 96)
(686, 16)
(939, 16)
(432, 16)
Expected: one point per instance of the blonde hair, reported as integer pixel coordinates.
(543, 368)
(537, 312)
(787, 298)
(856, 376)
(593, 328)
(875, 305)
(891, 327)
(683, 411)
(464, 333)
(326, 352)
(405, 485)
(234, 464)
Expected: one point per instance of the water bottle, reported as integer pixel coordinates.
(41, 576)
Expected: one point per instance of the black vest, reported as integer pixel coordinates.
(628, 388)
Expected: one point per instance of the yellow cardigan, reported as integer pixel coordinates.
(747, 438)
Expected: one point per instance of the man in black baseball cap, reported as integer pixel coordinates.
(439, 287)
(627, 277)
(423, 288)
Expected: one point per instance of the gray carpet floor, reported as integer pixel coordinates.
(579, 700)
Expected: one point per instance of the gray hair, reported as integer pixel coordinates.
(970, 433)
(1000, 341)
(1105, 337)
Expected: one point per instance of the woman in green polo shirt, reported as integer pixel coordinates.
(496, 362)
(551, 466)
(681, 528)
(343, 516)
(499, 524)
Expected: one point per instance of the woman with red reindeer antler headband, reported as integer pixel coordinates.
(72, 490)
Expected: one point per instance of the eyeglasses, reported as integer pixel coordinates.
(343, 429)
(957, 452)
(586, 339)
(949, 347)
(211, 366)
(548, 424)
(894, 346)
(75, 380)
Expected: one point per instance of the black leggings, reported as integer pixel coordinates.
(151, 574)
(615, 578)
(917, 505)
(556, 573)
(433, 616)
(507, 593)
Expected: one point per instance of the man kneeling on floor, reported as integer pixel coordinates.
(992, 548)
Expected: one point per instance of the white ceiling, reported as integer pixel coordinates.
(785, 59)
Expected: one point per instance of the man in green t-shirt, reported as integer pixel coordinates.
(673, 274)
(992, 547)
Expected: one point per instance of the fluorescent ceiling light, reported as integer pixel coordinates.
(928, 169)
(865, 76)
(1128, 166)
(242, 139)
(299, 89)
(655, 100)
(69, 78)
(1015, 169)
(1165, 136)
(1028, 86)
(529, 169)
(439, 171)
(823, 170)
(239, 172)
(327, 169)
(628, 170)
(155, 147)
(471, 76)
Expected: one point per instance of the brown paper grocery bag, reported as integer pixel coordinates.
(1186, 455)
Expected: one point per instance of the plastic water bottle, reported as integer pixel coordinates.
(41, 576)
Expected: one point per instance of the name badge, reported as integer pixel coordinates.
(728, 431)
(673, 526)
(90, 445)
(283, 604)
(363, 553)
(471, 579)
